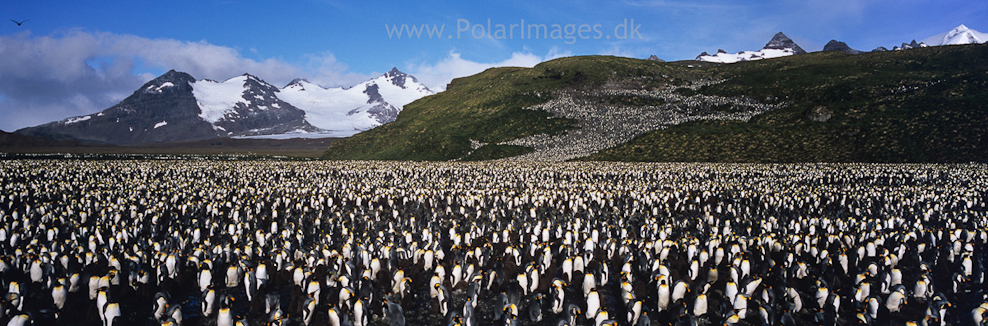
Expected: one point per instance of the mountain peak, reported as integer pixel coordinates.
(910, 45)
(297, 82)
(166, 82)
(398, 78)
(394, 72)
(963, 35)
(781, 42)
(835, 45)
(172, 76)
(257, 82)
(254, 78)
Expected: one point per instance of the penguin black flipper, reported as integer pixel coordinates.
(787, 319)
(685, 320)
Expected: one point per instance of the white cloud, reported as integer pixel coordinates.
(201, 59)
(46, 78)
(331, 73)
(619, 52)
(436, 76)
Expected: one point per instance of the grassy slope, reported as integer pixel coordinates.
(922, 105)
(488, 107)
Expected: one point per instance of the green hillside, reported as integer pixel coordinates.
(488, 107)
(921, 105)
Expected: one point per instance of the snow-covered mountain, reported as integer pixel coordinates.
(346, 111)
(779, 46)
(176, 107)
(910, 45)
(959, 35)
(247, 106)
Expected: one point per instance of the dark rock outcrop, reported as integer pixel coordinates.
(262, 112)
(819, 114)
(379, 109)
(911, 45)
(781, 42)
(835, 45)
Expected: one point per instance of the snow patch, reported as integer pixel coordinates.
(343, 111)
(215, 99)
(157, 89)
(724, 57)
(77, 119)
(304, 134)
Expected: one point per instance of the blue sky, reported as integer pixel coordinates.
(78, 57)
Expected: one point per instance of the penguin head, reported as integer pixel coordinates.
(732, 320)
(862, 319)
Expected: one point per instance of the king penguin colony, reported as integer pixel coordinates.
(396, 243)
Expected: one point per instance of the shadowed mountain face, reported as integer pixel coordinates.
(166, 109)
(167, 98)
(261, 112)
(11, 140)
(835, 45)
(380, 110)
(782, 42)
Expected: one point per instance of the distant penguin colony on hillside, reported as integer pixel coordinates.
(494, 243)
